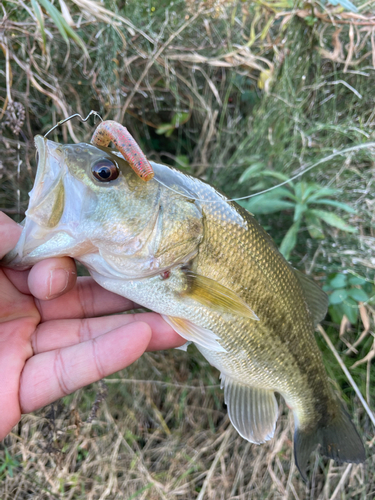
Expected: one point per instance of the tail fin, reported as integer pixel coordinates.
(338, 440)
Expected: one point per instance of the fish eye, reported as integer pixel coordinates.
(105, 170)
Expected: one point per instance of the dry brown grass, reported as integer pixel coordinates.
(153, 439)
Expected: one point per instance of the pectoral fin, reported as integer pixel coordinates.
(217, 297)
(190, 331)
(184, 346)
(252, 411)
(317, 300)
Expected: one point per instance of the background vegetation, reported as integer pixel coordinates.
(245, 95)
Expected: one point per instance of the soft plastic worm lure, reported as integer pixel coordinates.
(110, 130)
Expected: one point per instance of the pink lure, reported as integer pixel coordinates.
(110, 130)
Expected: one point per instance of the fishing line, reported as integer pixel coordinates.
(322, 160)
(61, 122)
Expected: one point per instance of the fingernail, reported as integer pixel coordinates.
(58, 281)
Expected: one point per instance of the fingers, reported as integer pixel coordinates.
(51, 278)
(64, 333)
(87, 299)
(9, 234)
(47, 280)
(54, 374)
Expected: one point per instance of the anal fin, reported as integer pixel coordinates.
(252, 411)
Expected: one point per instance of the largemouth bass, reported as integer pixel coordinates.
(177, 246)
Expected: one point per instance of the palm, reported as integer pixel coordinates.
(19, 317)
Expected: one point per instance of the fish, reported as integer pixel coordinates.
(179, 247)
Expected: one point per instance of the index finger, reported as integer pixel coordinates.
(86, 300)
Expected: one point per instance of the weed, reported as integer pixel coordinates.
(346, 291)
(8, 465)
(302, 197)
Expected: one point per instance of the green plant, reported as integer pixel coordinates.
(345, 4)
(345, 292)
(7, 465)
(299, 197)
(60, 21)
(168, 128)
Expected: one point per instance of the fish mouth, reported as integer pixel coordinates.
(47, 197)
(48, 183)
(46, 204)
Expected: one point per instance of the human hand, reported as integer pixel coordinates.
(52, 341)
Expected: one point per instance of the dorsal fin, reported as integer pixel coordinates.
(317, 300)
(215, 296)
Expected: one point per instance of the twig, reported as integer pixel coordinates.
(152, 60)
(341, 482)
(136, 457)
(157, 382)
(346, 371)
(214, 463)
(9, 78)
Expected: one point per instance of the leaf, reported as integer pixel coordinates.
(290, 240)
(358, 294)
(299, 211)
(182, 161)
(267, 27)
(264, 79)
(333, 220)
(277, 175)
(350, 308)
(314, 227)
(338, 204)
(65, 30)
(56, 17)
(280, 192)
(322, 192)
(169, 132)
(39, 16)
(180, 118)
(310, 20)
(251, 171)
(338, 296)
(65, 13)
(164, 128)
(346, 4)
(267, 203)
(356, 280)
(339, 281)
(308, 189)
(258, 186)
(336, 312)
